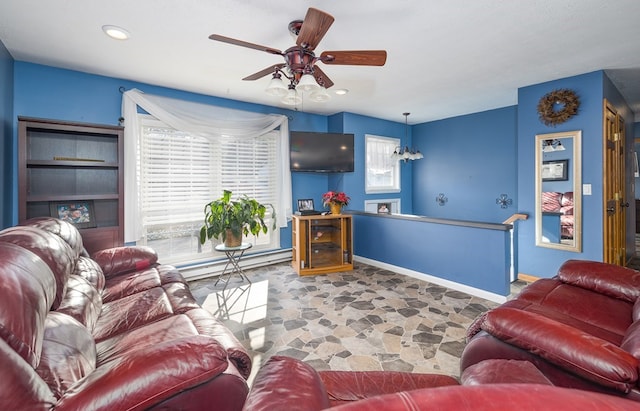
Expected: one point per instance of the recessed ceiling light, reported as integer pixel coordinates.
(341, 91)
(116, 32)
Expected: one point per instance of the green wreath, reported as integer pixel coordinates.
(558, 106)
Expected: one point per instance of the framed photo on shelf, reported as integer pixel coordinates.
(306, 204)
(79, 213)
(555, 170)
(384, 208)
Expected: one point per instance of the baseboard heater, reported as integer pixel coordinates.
(214, 267)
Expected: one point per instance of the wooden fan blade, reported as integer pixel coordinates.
(355, 57)
(241, 43)
(322, 78)
(264, 72)
(314, 27)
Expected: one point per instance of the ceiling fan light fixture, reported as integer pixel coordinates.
(291, 98)
(276, 86)
(307, 83)
(320, 95)
(115, 32)
(341, 91)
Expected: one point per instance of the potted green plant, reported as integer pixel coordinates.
(231, 219)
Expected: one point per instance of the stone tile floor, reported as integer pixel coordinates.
(361, 320)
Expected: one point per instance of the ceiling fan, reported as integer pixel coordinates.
(300, 60)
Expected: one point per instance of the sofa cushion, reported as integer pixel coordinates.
(90, 271)
(499, 371)
(135, 310)
(131, 282)
(131, 312)
(120, 260)
(348, 386)
(82, 302)
(154, 373)
(31, 289)
(631, 341)
(63, 229)
(56, 253)
(167, 329)
(608, 318)
(68, 353)
(576, 351)
(602, 278)
(22, 388)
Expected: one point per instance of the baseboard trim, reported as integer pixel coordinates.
(497, 298)
(214, 267)
(527, 277)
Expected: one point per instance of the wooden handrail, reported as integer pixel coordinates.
(517, 216)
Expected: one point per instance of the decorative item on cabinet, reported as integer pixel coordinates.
(335, 200)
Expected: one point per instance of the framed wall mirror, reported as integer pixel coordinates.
(558, 188)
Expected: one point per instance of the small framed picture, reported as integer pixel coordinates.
(384, 208)
(555, 170)
(305, 204)
(79, 213)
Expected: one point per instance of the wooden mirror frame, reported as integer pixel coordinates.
(571, 139)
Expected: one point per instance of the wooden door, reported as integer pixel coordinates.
(615, 203)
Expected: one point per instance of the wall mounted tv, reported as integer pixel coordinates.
(321, 152)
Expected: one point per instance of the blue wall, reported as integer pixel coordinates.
(47, 92)
(470, 159)
(591, 89)
(6, 127)
(476, 257)
(353, 183)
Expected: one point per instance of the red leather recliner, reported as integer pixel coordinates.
(581, 329)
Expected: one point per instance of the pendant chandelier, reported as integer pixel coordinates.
(405, 154)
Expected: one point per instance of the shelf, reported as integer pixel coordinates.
(71, 197)
(66, 162)
(69, 164)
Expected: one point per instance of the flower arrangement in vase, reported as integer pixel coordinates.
(335, 200)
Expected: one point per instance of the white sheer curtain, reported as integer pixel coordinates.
(207, 121)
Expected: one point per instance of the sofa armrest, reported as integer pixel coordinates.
(120, 260)
(348, 386)
(284, 383)
(580, 353)
(608, 279)
(148, 376)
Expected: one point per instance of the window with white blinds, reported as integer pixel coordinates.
(382, 172)
(179, 173)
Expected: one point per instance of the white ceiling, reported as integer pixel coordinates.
(445, 58)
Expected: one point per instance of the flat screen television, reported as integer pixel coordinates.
(321, 152)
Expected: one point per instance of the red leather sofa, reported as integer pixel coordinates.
(116, 331)
(287, 384)
(581, 329)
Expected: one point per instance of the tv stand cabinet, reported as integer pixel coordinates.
(322, 244)
(65, 164)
